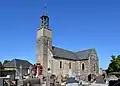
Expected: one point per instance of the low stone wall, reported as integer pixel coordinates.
(29, 82)
(99, 85)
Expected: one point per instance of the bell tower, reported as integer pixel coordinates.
(44, 43)
(44, 21)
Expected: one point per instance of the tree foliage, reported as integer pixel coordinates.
(5, 61)
(114, 66)
(1, 64)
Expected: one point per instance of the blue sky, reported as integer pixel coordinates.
(76, 25)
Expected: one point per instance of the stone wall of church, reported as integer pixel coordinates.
(84, 72)
(76, 67)
(65, 67)
(94, 67)
(57, 70)
(90, 67)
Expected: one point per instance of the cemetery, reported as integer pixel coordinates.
(35, 78)
(57, 66)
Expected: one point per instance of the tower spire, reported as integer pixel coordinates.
(44, 18)
(44, 12)
(45, 7)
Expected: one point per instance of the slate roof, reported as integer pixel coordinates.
(61, 53)
(84, 54)
(17, 63)
(66, 54)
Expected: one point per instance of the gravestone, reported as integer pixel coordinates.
(70, 73)
(71, 80)
(20, 83)
(20, 76)
(30, 74)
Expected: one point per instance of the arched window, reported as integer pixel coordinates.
(83, 66)
(89, 77)
(60, 64)
(69, 65)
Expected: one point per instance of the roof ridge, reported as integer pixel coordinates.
(19, 59)
(85, 50)
(18, 62)
(64, 49)
(61, 52)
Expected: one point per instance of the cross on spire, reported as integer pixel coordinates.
(45, 7)
(44, 18)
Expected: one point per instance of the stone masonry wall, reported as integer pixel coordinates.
(84, 73)
(94, 67)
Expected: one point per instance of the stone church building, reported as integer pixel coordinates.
(59, 61)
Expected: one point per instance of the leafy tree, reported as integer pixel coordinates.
(114, 66)
(1, 64)
(1, 67)
(6, 61)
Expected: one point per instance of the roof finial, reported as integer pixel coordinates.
(44, 12)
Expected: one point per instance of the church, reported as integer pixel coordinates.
(59, 61)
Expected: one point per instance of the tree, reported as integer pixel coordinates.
(5, 61)
(114, 66)
(1, 67)
(1, 64)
